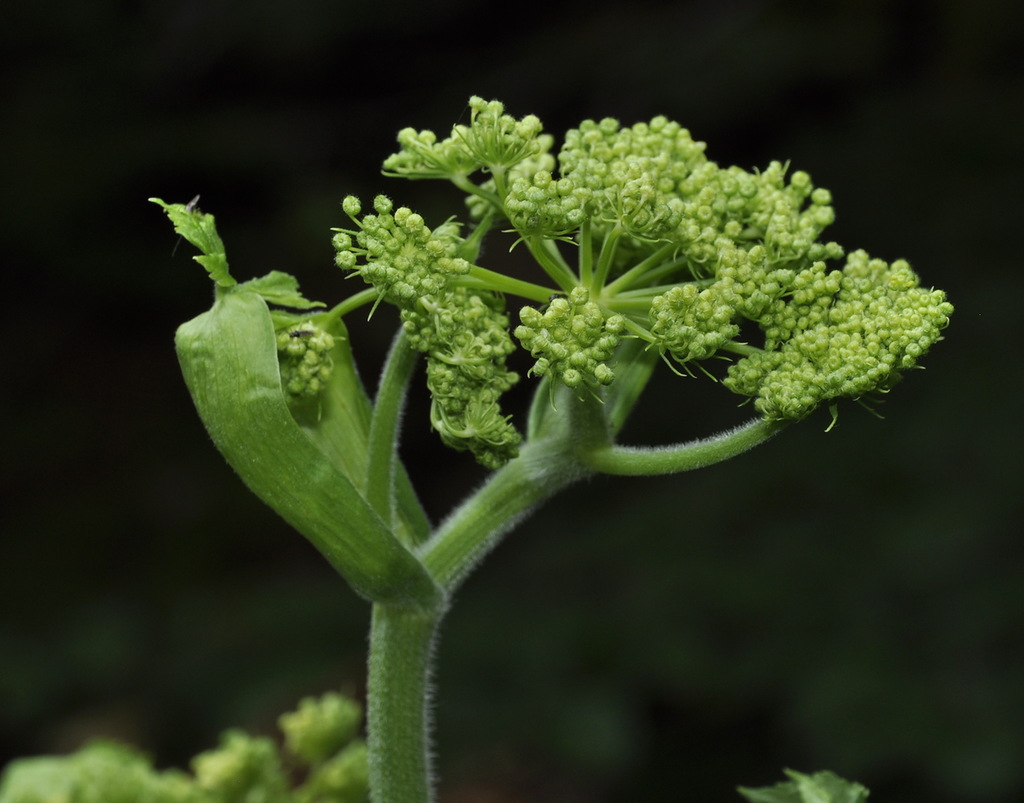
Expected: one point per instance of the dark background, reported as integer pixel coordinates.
(851, 600)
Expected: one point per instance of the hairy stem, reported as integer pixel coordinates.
(384, 426)
(398, 703)
(542, 469)
(637, 461)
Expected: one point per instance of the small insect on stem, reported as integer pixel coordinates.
(191, 206)
(301, 333)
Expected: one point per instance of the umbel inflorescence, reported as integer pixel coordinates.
(650, 253)
(642, 237)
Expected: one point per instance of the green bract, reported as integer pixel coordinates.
(311, 475)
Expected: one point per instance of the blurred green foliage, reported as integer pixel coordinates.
(850, 600)
(320, 761)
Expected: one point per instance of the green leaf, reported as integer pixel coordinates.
(228, 357)
(200, 230)
(281, 289)
(822, 787)
(308, 465)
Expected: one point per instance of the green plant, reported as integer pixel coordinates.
(650, 254)
(321, 748)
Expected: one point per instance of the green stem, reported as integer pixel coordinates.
(743, 349)
(632, 460)
(604, 260)
(551, 260)
(398, 697)
(543, 468)
(402, 637)
(384, 424)
(499, 282)
(635, 364)
(353, 302)
(500, 183)
(641, 270)
(471, 245)
(586, 255)
(469, 187)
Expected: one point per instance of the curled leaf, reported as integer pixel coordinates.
(200, 230)
(228, 357)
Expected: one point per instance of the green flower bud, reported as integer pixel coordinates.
(305, 353)
(573, 339)
(343, 778)
(243, 769)
(320, 727)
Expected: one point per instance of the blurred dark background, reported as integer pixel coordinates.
(851, 600)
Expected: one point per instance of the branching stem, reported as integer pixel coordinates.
(542, 469)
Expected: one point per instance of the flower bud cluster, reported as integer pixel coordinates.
(328, 762)
(654, 182)
(496, 139)
(573, 339)
(492, 141)
(240, 767)
(546, 206)
(320, 726)
(845, 342)
(304, 351)
(810, 304)
(760, 207)
(403, 258)
(591, 150)
(464, 335)
(100, 772)
(632, 174)
(693, 324)
(343, 778)
(683, 251)
(787, 218)
(751, 281)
